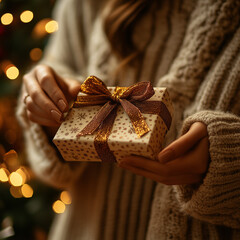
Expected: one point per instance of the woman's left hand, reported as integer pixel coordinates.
(184, 161)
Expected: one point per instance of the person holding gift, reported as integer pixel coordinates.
(190, 47)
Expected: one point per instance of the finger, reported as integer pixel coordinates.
(42, 121)
(48, 81)
(146, 164)
(168, 180)
(184, 143)
(34, 109)
(40, 99)
(196, 161)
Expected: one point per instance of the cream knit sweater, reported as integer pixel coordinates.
(193, 49)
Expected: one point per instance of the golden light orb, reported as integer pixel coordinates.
(16, 179)
(26, 16)
(12, 72)
(27, 190)
(35, 54)
(21, 172)
(51, 26)
(65, 197)
(58, 206)
(16, 192)
(6, 18)
(3, 175)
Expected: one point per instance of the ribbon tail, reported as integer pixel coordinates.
(96, 121)
(136, 117)
(101, 139)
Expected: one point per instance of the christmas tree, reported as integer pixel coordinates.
(26, 205)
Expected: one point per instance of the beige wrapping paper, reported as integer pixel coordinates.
(123, 141)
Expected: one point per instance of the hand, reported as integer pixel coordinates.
(46, 95)
(184, 161)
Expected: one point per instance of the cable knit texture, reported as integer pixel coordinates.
(193, 49)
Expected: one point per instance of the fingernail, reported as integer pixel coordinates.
(62, 105)
(165, 156)
(56, 115)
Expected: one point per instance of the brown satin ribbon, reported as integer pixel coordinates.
(132, 99)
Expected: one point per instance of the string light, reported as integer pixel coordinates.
(21, 172)
(12, 72)
(26, 16)
(16, 192)
(6, 18)
(27, 190)
(4, 175)
(58, 206)
(16, 179)
(35, 54)
(51, 26)
(39, 29)
(65, 197)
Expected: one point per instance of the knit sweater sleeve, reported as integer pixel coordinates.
(42, 156)
(216, 200)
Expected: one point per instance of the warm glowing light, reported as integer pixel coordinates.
(6, 18)
(39, 29)
(4, 175)
(35, 54)
(16, 192)
(51, 26)
(11, 160)
(21, 172)
(16, 179)
(58, 206)
(26, 16)
(12, 72)
(65, 197)
(27, 191)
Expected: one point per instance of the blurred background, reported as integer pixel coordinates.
(27, 206)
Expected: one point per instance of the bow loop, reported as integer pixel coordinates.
(138, 92)
(94, 86)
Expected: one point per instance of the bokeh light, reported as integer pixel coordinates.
(21, 172)
(27, 190)
(26, 16)
(39, 29)
(51, 26)
(12, 72)
(16, 192)
(65, 197)
(16, 179)
(4, 175)
(6, 18)
(58, 206)
(35, 54)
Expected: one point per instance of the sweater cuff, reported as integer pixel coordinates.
(42, 156)
(216, 200)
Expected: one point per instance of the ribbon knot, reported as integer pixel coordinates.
(115, 98)
(132, 99)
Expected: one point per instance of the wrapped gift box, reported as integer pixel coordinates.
(123, 141)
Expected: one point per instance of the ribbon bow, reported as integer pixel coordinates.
(132, 99)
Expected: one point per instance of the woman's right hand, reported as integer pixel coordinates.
(47, 95)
